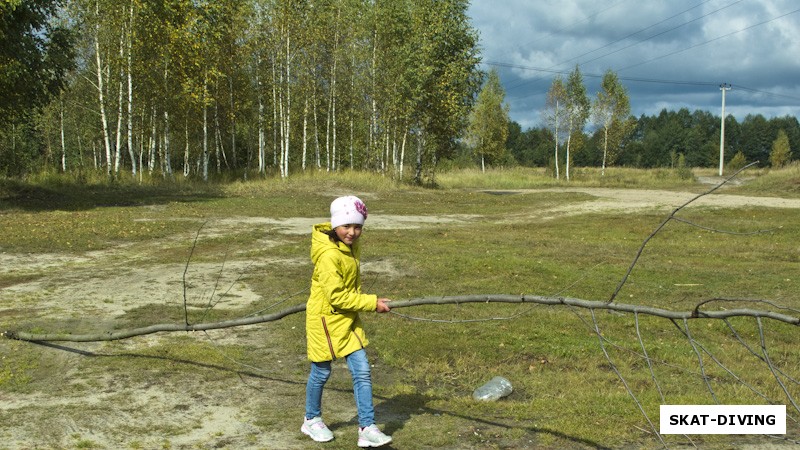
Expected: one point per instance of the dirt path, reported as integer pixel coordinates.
(98, 410)
(631, 200)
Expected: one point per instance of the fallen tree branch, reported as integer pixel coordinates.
(452, 300)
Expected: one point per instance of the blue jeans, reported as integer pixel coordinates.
(362, 387)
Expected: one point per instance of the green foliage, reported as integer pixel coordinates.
(737, 162)
(611, 110)
(35, 54)
(781, 153)
(684, 172)
(488, 128)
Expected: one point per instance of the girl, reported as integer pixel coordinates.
(333, 327)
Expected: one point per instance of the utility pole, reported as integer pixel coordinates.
(723, 87)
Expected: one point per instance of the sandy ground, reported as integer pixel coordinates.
(107, 284)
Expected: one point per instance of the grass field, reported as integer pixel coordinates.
(90, 257)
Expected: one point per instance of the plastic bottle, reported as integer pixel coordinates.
(494, 389)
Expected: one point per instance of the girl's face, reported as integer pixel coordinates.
(348, 233)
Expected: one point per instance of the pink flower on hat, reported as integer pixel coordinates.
(361, 207)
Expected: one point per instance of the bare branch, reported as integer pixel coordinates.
(529, 299)
(622, 379)
(664, 223)
(699, 359)
(771, 367)
(186, 269)
(647, 358)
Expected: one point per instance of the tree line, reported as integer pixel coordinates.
(670, 139)
(599, 131)
(205, 87)
(243, 88)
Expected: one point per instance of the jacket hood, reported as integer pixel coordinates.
(321, 242)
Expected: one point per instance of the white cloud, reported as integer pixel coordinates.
(680, 40)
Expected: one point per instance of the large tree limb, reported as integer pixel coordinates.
(452, 300)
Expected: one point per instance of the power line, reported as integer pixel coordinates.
(758, 91)
(633, 34)
(645, 80)
(647, 28)
(592, 75)
(711, 40)
(660, 81)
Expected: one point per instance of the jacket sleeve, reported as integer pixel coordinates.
(343, 296)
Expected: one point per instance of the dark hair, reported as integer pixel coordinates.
(334, 237)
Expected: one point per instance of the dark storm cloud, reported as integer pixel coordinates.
(668, 54)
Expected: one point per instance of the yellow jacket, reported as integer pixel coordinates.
(333, 328)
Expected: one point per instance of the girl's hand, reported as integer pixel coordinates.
(383, 305)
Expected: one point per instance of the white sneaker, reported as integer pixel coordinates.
(316, 429)
(371, 436)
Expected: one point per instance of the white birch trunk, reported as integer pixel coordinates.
(166, 157)
(151, 165)
(101, 95)
(555, 157)
(280, 124)
(569, 140)
(288, 115)
(334, 165)
(186, 148)
(276, 141)
(605, 150)
(305, 132)
(333, 95)
(373, 126)
(205, 130)
(261, 139)
(403, 152)
(63, 141)
(118, 137)
(233, 122)
(219, 152)
(352, 127)
(130, 95)
(328, 138)
(316, 123)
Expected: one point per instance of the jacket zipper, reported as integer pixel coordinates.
(328, 337)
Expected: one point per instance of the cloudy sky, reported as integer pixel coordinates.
(668, 53)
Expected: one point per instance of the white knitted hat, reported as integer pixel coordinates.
(348, 210)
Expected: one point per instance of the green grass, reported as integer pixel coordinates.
(566, 394)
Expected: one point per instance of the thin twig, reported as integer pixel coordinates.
(699, 360)
(771, 367)
(647, 358)
(185, 270)
(730, 372)
(664, 223)
(622, 379)
(754, 353)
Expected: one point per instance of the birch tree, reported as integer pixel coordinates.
(577, 108)
(610, 111)
(555, 115)
(487, 132)
(446, 77)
